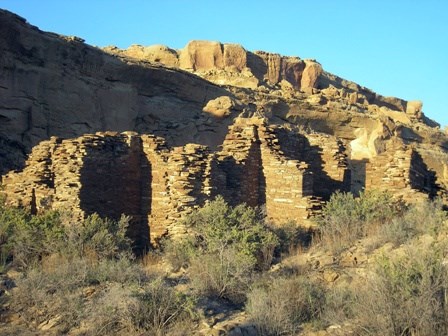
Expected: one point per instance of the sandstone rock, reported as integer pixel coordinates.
(235, 57)
(330, 275)
(44, 93)
(414, 109)
(202, 56)
(221, 106)
(154, 53)
(49, 324)
(310, 76)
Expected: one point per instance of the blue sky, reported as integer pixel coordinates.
(394, 47)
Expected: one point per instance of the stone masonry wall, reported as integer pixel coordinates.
(402, 172)
(289, 173)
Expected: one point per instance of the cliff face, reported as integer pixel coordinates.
(58, 86)
(209, 119)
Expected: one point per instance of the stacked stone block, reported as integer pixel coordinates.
(289, 173)
(402, 172)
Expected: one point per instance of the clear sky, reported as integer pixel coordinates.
(394, 47)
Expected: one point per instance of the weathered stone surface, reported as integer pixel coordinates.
(155, 54)
(202, 56)
(221, 106)
(54, 86)
(288, 172)
(310, 75)
(414, 108)
(276, 131)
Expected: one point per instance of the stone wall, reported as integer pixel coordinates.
(288, 172)
(402, 172)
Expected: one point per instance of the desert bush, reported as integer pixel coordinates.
(155, 309)
(9, 218)
(346, 219)
(43, 295)
(422, 218)
(110, 313)
(281, 305)
(227, 275)
(405, 295)
(179, 252)
(219, 226)
(26, 238)
(228, 245)
(160, 309)
(98, 237)
(291, 237)
(45, 292)
(37, 236)
(339, 304)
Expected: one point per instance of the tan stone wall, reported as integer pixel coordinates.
(289, 173)
(402, 172)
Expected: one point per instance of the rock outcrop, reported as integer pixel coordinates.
(52, 85)
(231, 64)
(153, 132)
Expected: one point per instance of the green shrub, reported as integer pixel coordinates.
(422, 218)
(9, 219)
(220, 226)
(406, 294)
(280, 306)
(26, 238)
(346, 219)
(37, 236)
(228, 245)
(98, 237)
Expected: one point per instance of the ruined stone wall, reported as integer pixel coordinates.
(328, 159)
(239, 165)
(258, 172)
(34, 187)
(401, 172)
(289, 173)
(186, 172)
(289, 183)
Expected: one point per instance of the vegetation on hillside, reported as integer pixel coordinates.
(82, 277)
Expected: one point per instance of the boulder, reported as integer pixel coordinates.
(220, 107)
(235, 57)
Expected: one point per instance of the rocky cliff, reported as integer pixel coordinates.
(153, 132)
